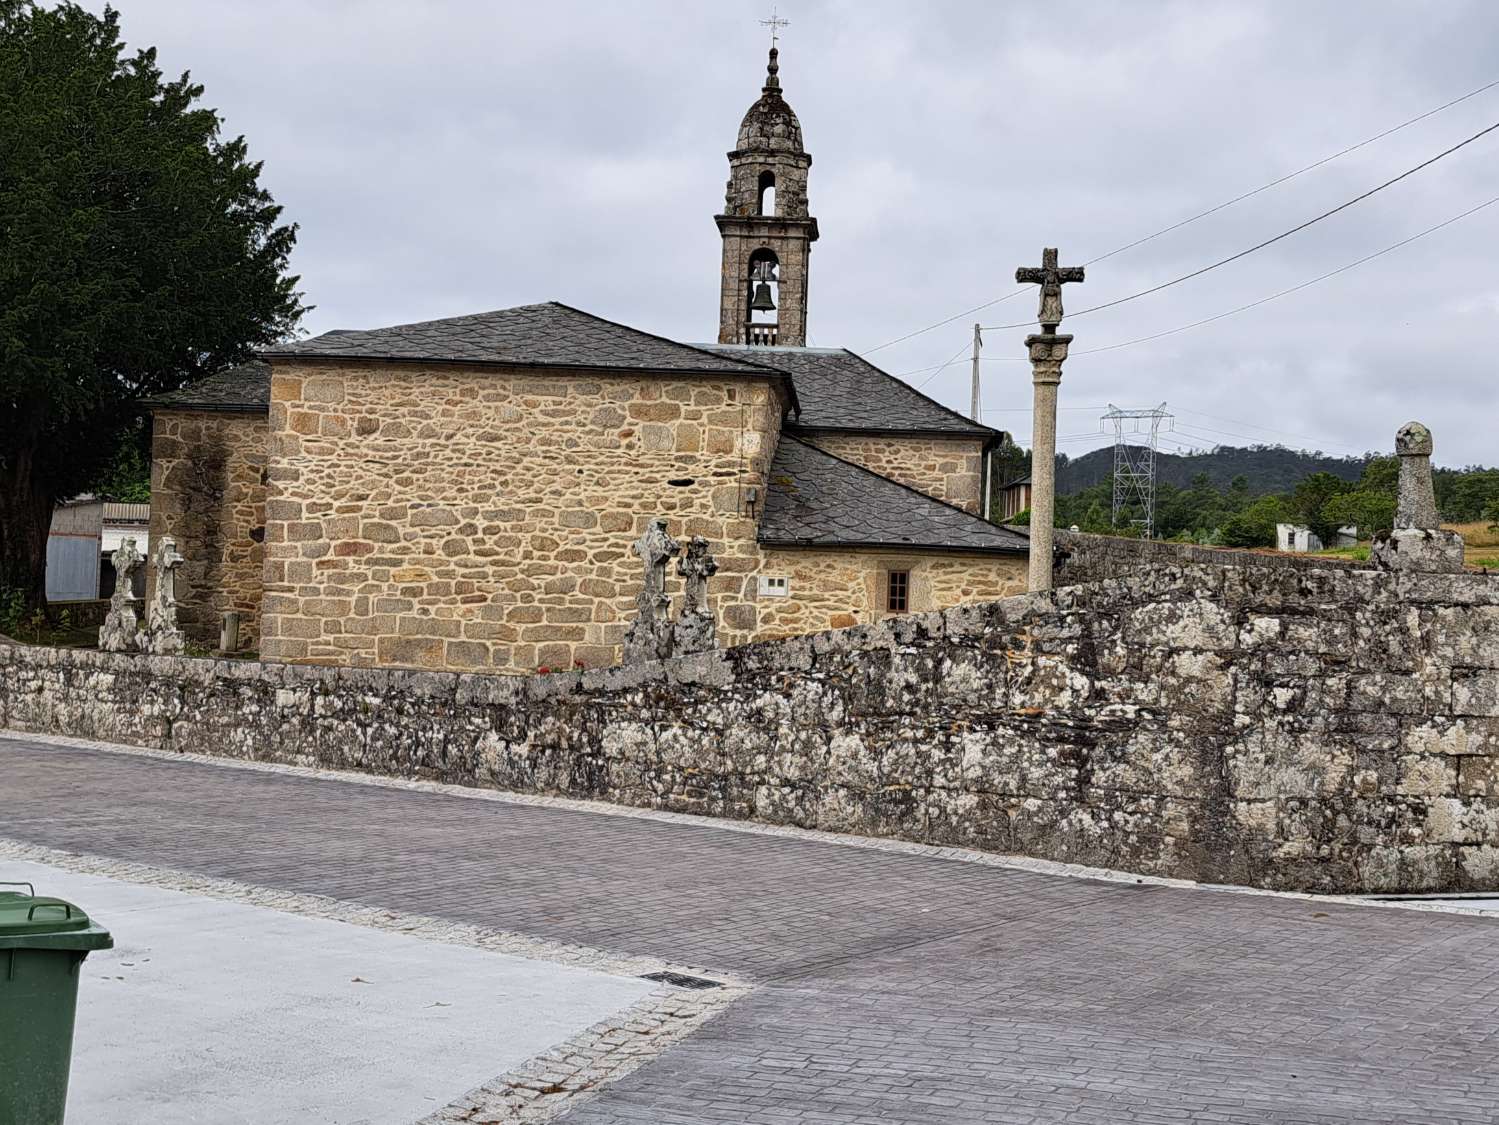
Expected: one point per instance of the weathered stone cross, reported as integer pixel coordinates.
(1051, 277)
(697, 566)
(1047, 351)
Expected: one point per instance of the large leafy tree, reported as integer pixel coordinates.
(138, 252)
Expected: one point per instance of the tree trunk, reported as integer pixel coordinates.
(25, 519)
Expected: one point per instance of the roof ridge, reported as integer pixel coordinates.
(653, 336)
(890, 480)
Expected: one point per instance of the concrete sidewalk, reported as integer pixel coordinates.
(217, 1011)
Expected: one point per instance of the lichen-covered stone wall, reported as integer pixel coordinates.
(208, 492)
(833, 589)
(947, 468)
(1324, 730)
(450, 518)
(1084, 557)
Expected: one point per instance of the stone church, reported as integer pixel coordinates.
(464, 493)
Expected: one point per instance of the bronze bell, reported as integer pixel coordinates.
(762, 301)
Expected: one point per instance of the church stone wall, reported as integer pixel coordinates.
(950, 469)
(451, 518)
(208, 492)
(833, 589)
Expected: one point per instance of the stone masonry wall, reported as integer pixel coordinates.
(1324, 730)
(950, 469)
(443, 517)
(833, 589)
(1093, 558)
(208, 492)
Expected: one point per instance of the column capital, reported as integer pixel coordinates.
(1047, 352)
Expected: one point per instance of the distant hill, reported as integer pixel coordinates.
(1269, 468)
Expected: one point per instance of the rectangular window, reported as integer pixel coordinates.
(775, 586)
(897, 591)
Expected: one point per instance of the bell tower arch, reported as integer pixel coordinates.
(767, 233)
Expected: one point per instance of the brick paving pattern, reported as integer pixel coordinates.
(890, 987)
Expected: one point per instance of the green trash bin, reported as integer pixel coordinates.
(43, 941)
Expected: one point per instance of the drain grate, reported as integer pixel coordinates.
(682, 980)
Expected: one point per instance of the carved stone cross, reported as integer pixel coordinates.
(656, 548)
(1051, 277)
(697, 566)
(117, 634)
(163, 637)
(649, 636)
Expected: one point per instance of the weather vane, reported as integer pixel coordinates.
(775, 23)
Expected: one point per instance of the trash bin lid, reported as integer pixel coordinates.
(30, 919)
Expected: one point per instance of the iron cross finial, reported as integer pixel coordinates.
(775, 23)
(1051, 277)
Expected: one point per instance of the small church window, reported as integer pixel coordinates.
(897, 590)
(767, 199)
(774, 586)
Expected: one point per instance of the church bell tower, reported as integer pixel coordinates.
(767, 233)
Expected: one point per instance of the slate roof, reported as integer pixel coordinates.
(816, 499)
(246, 387)
(545, 335)
(839, 390)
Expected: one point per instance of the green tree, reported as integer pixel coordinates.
(1369, 511)
(1310, 499)
(138, 252)
(1255, 525)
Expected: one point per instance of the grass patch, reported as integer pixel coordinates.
(1487, 564)
(1359, 552)
(1479, 533)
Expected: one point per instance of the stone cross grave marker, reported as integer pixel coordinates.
(162, 636)
(650, 634)
(117, 634)
(695, 630)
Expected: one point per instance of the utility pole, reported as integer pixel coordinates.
(978, 343)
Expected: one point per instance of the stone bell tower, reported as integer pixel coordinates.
(767, 233)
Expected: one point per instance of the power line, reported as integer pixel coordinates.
(1288, 291)
(1293, 175)
(1201, 215)
(943, 367)
(1269, 241)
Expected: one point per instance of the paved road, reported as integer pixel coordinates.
(892, 988)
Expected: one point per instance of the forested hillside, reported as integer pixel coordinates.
(1267, 468)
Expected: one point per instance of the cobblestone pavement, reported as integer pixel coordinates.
(890, 987)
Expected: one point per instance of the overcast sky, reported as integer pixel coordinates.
(447, 158)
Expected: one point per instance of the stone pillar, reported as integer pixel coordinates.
(1418, 541)
(1047, 351)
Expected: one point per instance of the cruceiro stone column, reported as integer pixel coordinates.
(117, 634)
(695, 629)
(1047, 351)
(1418, 541)
(650, 634)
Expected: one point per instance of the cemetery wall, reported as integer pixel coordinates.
(1323, 729)
(452, 518)
(1094, 558)
(208, 492)
(948, 468)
